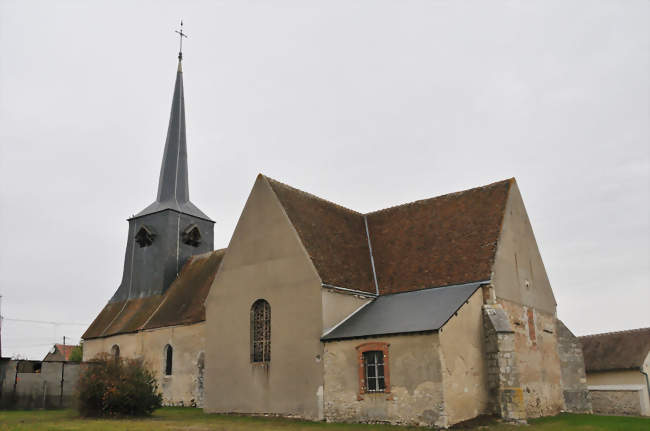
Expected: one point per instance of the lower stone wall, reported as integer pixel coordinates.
(185, 386)
(616, 402)
(574, 379)
(538, 362)
(416, 389)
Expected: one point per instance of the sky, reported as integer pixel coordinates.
(366, 103)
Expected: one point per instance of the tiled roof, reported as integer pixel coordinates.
(334, 237)
(436, 242)
(616, 350)
(65, 350)
(450, 239)
(181, 304)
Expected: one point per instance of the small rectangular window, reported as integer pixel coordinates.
(373, 362)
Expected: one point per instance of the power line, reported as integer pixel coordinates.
(44, 321)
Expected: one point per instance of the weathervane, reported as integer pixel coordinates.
(181, 35)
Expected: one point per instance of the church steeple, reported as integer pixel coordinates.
(172, 229)
(173, 186)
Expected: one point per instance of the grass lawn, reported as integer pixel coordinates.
(173, 418)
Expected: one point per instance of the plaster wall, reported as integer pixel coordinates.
(463, 363)
(519, 275)
(265, 260)
(620, 391)
(184, 386)
(537, 359)
(416, 392)
(338, 305)
(521, 286)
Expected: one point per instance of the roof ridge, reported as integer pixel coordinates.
(310, 195)
(446, 195)
(624, 331)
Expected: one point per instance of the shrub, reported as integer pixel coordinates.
(117, 387)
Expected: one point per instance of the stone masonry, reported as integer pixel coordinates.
(506, 395)
(574, 379)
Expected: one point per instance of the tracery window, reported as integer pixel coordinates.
(169, 355)
(261, 331)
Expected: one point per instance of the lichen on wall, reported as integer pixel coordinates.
(538, 362)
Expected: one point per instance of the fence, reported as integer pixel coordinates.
(36, 384)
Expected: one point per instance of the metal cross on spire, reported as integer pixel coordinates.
(181, 35)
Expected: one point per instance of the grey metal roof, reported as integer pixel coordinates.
(173, 188)
(417, 311)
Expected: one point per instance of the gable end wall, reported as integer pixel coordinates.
(265, 260)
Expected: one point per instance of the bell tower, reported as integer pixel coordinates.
(170, 230)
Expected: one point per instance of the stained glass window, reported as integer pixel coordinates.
(260, 331)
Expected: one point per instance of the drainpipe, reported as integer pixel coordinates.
(647, 381)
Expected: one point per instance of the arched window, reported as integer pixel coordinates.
(261, 331)
(169, 355)
(115, 352)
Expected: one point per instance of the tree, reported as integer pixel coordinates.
(77, 353)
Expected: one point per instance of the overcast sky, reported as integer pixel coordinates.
(365, 103)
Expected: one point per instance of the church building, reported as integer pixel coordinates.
(428, 313)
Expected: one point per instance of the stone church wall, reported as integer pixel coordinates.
(538, 362)
(464, 367)
(416, 387)
(574, 379)
(185, 386)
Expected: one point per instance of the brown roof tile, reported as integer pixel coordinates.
(105, 317)
(616, 350)
(334, 237)
(133, 315)
(183, 301)
(181, 304)
(446, 240)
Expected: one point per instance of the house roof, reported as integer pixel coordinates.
(181, 304)
(398, 313)
(446, 240)
(616, 350)
(65, 350)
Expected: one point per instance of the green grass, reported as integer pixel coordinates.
(174, 418)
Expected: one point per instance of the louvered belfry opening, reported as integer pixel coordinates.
(261, 331)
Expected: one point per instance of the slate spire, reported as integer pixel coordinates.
(173, 183)
(173, 187)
